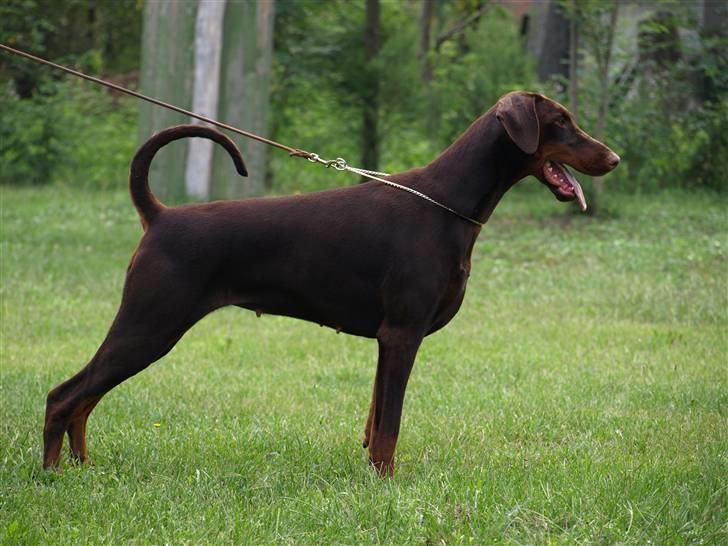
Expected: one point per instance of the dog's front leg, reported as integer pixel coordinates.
(370, 420)
(397, 351)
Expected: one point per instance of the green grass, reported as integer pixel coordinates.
(580, 396)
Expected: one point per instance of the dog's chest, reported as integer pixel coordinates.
(452, 295)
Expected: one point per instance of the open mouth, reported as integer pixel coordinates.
(563, 184)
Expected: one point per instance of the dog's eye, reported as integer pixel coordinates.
(562, 122)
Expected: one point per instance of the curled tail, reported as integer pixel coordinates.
(144, 200)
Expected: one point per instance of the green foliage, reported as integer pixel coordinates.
(30, 147)
(579, 397)
(320, 73)
(670, 134)
(473, 73)
(668, 88)
(668, 96)
(688, 148)
(54, 128)
(68, 132)
(66, 32)
(314, 105)
(709, 157)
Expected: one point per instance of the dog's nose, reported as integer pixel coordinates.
(613, 160)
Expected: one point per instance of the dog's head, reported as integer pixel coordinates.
(547, 132)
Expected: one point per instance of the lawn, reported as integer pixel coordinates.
(580, 396)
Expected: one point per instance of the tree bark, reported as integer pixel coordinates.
(206, 87)
(604, 93)
(574, 60)
(370, 89)
(244, 94)
(423, 47)
(166, 67)
(715, 23)
(548, 38)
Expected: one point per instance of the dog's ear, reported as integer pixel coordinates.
(517, 113)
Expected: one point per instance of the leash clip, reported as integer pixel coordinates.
(339, 164)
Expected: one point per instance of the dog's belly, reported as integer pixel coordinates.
(331, 281)
(351, 311)
(363, 324)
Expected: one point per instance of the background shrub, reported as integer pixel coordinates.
(68, 132)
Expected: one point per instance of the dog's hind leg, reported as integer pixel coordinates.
(77, 431)
(155, 313)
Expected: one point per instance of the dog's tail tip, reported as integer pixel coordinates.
(144, 200)
(231, 149)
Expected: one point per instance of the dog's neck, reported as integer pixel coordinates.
(473, 174)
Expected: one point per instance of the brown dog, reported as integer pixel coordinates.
(369, 259)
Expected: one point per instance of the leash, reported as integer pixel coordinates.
(339, 164)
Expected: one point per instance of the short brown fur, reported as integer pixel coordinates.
(368, 260)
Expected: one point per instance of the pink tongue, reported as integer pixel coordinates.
(577, 190)
(579, 195)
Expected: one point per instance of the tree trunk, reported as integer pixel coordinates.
(244, 94)
(423, 47)
(370, 88)
(206, 87)
(166, 68)
(574, 61)
(715, 25)
(548, 39)
(604, 94)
